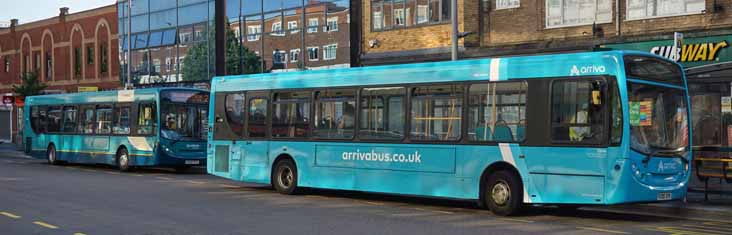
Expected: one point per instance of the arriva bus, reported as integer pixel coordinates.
(127, 129)
(593, 128)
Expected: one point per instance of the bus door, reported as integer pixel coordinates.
(569, 163)
(255, 147)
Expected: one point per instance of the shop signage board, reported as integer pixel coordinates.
(693, 52)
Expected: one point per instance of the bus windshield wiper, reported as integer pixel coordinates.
(665, 152)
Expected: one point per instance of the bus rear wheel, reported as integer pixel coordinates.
(503, 193)
(284, 179)
(123, 160)
(51, 155)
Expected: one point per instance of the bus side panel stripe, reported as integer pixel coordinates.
(495, 69)
(507, 156)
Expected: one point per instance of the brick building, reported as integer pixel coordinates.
(398, 31)
(67, 51)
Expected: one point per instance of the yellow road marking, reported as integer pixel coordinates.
(46, 225)
(228, 186)
(316, 196)
(516, 220)
(195, 182)
(8, 214)
(716, 228)
(79, 233)
(112, 172)
(163, 178)
(603, 230)
(680, 231)
(373, 203)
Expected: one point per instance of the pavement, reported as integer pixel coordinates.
(37, 198)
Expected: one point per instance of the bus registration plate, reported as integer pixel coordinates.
(192, 162)
(664, 196)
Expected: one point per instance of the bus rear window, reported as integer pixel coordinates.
(653, 69)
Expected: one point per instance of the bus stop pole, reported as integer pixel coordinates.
(454, 18)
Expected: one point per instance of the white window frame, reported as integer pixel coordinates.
(546, 14)
(507, 4)
(294, 58)
(402, 16)
(334, 49)
(317, 54)
(420, 9)
(283, 57)
(628, 18)
(313, 28)
(292, 26)
(279, 32)
(254, 35)
(328, 24)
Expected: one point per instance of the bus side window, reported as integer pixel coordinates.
(146, 119)
(382, 113)
(497, 112)
(87, 120)
(436, 112)
(70, 115)
(121, 119)
(257, 117)
(575, 117)
(54, 117)
(104, 119)
(335, 111)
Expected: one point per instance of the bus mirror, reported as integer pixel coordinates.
(596, 99)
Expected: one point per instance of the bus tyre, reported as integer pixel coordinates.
(503, 193)
(284, 179)
(123, 160)
(51, 155)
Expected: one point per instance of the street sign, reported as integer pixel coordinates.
(8, 100)
(678, 44)
(87, 89)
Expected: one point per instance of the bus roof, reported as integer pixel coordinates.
(146, 94)
(493, 69)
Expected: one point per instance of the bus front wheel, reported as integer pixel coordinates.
(284, 178)
(51, 155)
(123, 160)
(503, 193)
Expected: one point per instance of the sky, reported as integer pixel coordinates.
(32, 10)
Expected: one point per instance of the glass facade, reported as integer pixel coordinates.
(173, 40)
(169, 40)
(275, 33)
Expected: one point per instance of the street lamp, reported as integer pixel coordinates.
(128, 84)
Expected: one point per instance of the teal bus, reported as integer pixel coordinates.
(591, 128)
(128, 128)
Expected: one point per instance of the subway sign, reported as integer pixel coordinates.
(694, 52)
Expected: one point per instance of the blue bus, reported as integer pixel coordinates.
(126, 128)
(593, 128)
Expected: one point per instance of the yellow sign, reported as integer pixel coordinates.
(87, 89)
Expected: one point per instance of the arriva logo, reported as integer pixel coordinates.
(666, 166)
(577, 71)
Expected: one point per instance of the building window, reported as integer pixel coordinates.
(292, 27)
(507, 4)
(7, 65)
(561, 13)
(277, 29)
(169, 61)
(253, 32)
(313, 25)
(90, 55)
(294, 55)
(103, 58)
(313, 53)
(49, 66)
(185, 37)
(156, 66)
(329, 52)
(389, 14)
(38, 62)
(642, 9)
(279, 57)
(77, 61)
(331, 24)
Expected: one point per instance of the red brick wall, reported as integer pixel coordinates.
(54, 35)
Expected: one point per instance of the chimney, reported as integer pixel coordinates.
(13, 24)
(62, 12)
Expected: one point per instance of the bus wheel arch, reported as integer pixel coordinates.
(501, 178)
(122, 158)
(284, 174)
